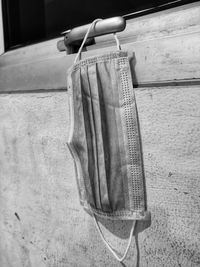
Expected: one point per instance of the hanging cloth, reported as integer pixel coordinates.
(104, 138)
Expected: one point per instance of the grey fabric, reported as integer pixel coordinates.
(104, 137)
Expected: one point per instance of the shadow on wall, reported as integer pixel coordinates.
(122, 229)
(132, 62)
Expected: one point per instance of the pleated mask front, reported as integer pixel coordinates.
(104, 137)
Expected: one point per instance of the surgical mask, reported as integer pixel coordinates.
(104, 138)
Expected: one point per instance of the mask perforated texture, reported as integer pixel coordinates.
(130, 117)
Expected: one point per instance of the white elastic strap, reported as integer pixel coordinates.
(86, 36)
(120, 259)
(117, 41)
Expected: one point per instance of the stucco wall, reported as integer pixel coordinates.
(41, 221)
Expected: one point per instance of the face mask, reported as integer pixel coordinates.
(104, 138)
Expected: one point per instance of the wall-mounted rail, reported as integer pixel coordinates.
(106, 26)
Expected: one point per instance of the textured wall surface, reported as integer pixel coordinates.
(41, 221)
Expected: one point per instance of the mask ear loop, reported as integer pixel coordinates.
(111, 249)
(117, 41)
(84, 40)
(78, 56)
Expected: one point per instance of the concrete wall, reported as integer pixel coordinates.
(42, 223)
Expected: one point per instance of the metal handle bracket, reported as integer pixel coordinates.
(106, 26)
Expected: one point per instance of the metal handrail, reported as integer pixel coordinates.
(105, 26)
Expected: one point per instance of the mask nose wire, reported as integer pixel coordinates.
(86, 36)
